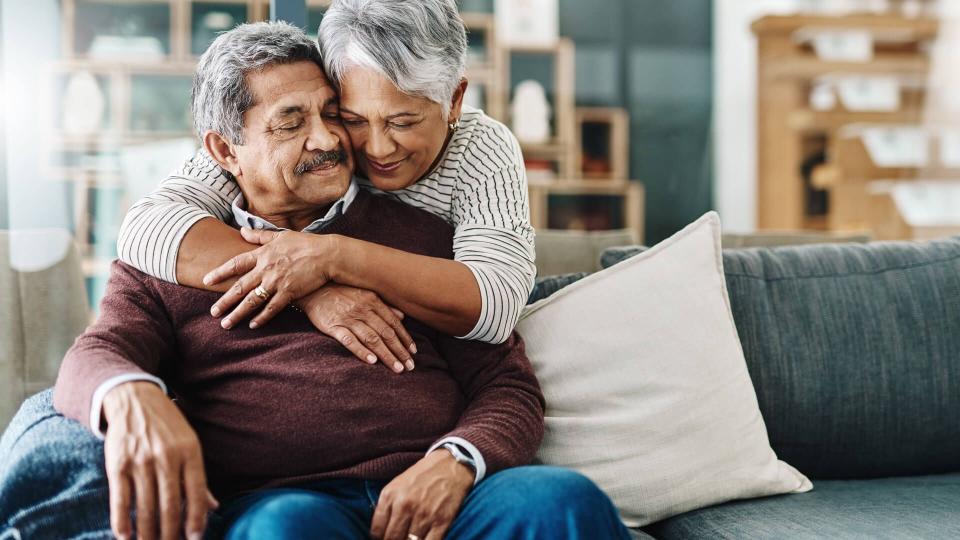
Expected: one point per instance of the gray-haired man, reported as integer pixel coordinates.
(298, 440)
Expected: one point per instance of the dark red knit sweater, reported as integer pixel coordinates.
(286, 403)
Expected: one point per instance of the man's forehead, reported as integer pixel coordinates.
(286, 87)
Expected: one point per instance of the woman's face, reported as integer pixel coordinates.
(396, 138)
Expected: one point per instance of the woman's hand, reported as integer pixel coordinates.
(362, 323)
(286, 267)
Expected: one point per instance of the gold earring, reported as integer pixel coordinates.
(455, 125)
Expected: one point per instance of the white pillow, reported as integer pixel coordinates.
(647, 389)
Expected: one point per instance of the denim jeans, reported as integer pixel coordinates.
(53, 485)
(523, 503)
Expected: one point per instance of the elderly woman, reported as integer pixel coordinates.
(399, 68)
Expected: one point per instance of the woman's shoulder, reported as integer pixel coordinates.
(489, 135)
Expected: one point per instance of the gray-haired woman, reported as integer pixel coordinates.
(399, 67)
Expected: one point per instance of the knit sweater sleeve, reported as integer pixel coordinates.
(504, 415)
(155, 226)
(132, 335)
(494, 237)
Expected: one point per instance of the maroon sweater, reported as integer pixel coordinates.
(286, 403)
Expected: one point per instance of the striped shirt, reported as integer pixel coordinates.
(479, 186)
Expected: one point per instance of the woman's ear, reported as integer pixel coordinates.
(456, 104)
(222, 151)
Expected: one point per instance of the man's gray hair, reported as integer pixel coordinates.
(220, 93)
(418, 45)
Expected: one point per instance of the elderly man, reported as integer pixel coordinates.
(296, 438)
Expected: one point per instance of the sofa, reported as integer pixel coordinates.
(854, 351)
(43, 307)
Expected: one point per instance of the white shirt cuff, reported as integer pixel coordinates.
(471, 449)
(96, 404)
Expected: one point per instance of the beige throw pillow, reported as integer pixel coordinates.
(647, 389)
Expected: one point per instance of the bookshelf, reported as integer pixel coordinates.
(791, 130)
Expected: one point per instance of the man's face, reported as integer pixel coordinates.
(296, 154)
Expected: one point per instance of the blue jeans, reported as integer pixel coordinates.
(53, 485)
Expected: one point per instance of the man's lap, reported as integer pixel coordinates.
(53, 485)
(523, 502)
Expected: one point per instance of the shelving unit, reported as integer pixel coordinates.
(133, 86)
(146, 98)
(790, 130)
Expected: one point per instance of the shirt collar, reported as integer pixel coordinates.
(245, 219)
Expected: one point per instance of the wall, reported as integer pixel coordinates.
(653, 58)
(32, 201)
(735, 106)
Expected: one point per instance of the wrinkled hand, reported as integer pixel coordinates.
(424, 500)
(288, 265)
(153, 456)
(362, 323)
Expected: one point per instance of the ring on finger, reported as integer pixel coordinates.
(261, 292)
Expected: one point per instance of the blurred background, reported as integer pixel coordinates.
(797, 120)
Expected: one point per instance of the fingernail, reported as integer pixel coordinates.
(226, 324)
(207, 280)
(410, 365)
(195, 536)
(253, 325)
(372, 359)
(398, 367)
(413, 348)
(215, 311)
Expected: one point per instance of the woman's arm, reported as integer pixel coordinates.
(154, 230)
(441, 293)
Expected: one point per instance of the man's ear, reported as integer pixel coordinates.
(222, 151)
(456, 104)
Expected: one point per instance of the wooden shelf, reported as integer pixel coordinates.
(631, 192)
(809, 68)
(788, 129)
(920, 28)
(807, 121)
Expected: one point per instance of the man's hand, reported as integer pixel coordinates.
(288, 266)
(153, 455)
(363, 323)
(424, 500)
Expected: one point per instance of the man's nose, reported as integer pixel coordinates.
(321, 138)
(379, 145)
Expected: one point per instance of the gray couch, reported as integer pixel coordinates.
(854, 351)
(43, 307)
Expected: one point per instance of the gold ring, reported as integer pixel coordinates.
(261, 292)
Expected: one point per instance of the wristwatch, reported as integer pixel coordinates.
(460, 455)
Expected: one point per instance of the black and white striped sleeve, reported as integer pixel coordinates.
(493, 236)
(154, 227)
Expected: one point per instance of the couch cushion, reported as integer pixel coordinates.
(43, 308)
(638, 384)
(854, 352)
(894, 508)
(564, 251)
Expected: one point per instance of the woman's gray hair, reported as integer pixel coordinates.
(418, 45)
(220, 93)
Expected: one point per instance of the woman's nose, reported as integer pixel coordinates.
(379, 145)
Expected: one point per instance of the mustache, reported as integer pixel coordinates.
(320, 159)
